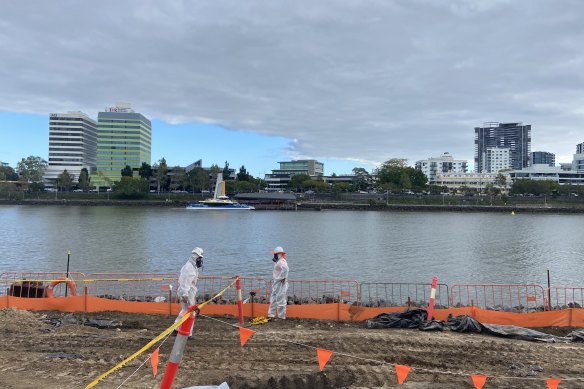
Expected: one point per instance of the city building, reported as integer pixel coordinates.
(543, 158)
(547, 172)
(497, 158)
(445, 163)
(72, 146)
(578, 159)
(474, 180)
(123, 138)
(493, 135)
(279, 178)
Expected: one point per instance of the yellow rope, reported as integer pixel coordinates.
(153, 341)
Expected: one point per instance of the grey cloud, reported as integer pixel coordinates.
(355, 80)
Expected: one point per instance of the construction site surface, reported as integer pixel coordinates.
(66, 350)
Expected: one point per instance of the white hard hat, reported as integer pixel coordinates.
(198, 251)
(278, 250)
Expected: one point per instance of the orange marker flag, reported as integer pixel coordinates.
(154, 361)
(552, 383)
(402, 372)
(244, 335)
(323, 357)
(478, 380)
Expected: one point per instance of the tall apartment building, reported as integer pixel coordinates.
(433, 167)
(514, 136)
(72, 145)
(124, 138)
(497, 158)
(279, 178)
(578, 160)
(543, 158)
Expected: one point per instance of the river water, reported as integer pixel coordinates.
(358, 245)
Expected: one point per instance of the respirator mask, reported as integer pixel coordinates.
(275, 259)
(199, 262)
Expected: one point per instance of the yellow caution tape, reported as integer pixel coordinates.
(153, 341)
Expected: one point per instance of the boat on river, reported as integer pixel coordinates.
(219, 201)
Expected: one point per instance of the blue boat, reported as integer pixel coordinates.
(219, 200)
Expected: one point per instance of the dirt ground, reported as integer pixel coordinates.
(34, 353)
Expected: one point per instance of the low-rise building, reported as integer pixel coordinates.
(478, 181)
(280, 178)
(432, 167)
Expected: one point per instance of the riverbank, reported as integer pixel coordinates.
(315, 206)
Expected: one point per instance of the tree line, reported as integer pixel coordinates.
(392, 175)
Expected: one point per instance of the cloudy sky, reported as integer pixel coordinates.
(352, 83)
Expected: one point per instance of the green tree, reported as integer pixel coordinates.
(361, 178)
(31, 169)
(65, 180)
(84, 181)
(226, 175)
(341, 187)
(390, 171)
(145, 170)
(297, 181)
(535, 187)
(395, 174)
(199, 179)
(177, 177)
(131, 188)
(244, 187)
(8, 174)
(243, 175)
(161, 175)
(500, 180)
(127, 171)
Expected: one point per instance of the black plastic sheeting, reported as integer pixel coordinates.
(416, 318)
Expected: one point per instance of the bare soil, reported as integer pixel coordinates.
(34, 353)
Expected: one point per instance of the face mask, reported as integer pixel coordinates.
(275, 259)
(199, 262)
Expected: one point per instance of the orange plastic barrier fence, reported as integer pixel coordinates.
(499, 297)
(336, 311)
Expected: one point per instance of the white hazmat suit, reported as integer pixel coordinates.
(187, 283)
(278, 297)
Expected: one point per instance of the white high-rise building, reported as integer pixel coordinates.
(497, 158)
(72, 145)
(433, 167)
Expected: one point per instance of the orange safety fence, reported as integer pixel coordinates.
(335, 311)
(562, 297)
(397, 294)
(499, 297)
(139, 287)
(208, 286)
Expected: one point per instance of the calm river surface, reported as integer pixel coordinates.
(365, 246)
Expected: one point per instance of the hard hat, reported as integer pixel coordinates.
(278, 250)
(198, 251)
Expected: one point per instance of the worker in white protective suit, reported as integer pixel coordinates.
(187, 282)
(278, 297)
